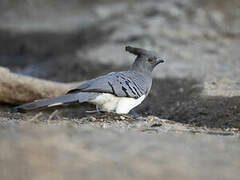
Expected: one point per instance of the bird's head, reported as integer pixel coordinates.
(145, 61)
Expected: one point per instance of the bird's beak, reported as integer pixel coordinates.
(159, 60)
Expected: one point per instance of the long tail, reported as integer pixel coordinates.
(55, 101)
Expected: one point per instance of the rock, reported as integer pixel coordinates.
(16, 88)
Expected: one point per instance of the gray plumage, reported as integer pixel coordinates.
(121, 84)
(54, 101)
(110, 91)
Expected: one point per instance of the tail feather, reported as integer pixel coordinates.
(55, 101)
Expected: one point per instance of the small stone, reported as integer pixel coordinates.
(156, 125)
(122, 117)
(92, 119)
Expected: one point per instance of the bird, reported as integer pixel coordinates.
(117, 92)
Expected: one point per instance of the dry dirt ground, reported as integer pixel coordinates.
(188, 127)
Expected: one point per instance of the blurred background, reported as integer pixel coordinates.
(199, 38)
(76, 40)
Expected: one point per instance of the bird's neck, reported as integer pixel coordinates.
(145, 74)
(140, 68)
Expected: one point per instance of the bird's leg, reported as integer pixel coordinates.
(134, 113)
(98, 110)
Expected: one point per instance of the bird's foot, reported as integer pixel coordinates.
(134, 113)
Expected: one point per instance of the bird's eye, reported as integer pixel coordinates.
(150, 60)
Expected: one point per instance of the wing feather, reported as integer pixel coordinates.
(121, 84)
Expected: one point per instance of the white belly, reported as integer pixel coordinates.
(121, 105)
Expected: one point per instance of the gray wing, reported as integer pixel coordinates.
(121, 84)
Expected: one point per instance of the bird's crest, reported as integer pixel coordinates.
(139, 51)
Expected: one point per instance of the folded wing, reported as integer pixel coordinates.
(121, 84)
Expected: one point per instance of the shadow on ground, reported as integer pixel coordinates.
(181, 100)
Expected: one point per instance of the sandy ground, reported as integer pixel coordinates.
(188, 127)
(80, 153)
